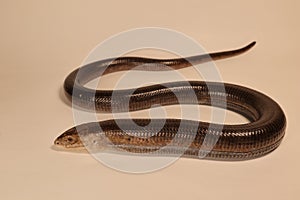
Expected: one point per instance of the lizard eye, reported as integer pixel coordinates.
(70, 139)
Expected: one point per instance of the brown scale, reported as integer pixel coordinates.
(260, 136)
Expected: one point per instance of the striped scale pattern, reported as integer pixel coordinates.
(194, 139)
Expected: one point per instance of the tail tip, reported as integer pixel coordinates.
(252, 44)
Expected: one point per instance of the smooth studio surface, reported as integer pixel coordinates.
(43, 41)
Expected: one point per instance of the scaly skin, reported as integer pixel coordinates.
(260, 136)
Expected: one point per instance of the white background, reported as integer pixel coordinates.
(42, 41)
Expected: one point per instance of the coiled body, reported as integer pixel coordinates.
(193, 139)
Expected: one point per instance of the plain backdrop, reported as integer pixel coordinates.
(41, 41)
